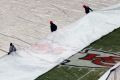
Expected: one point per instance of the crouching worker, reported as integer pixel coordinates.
(11, 49)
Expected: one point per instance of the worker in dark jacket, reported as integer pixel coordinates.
(53, 26)
(11, 49)
(87, 9)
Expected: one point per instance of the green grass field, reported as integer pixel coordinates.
(66, 73)
(108, 42)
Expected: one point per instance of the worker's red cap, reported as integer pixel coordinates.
(84, 5)
(51, 21)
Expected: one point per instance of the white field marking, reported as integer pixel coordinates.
(70, 67)
(76, 75)
(85, 75)
(101, 73)
(79, 69)
(59, 66)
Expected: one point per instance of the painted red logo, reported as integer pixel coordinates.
(103, 61)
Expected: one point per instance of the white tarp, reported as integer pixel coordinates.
(29, 63)
(112, 74)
